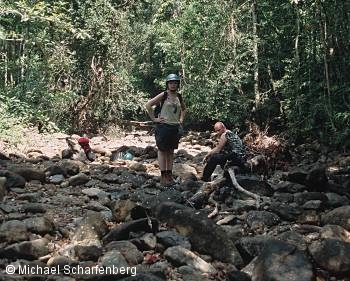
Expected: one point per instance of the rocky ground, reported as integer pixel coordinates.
(63, 217)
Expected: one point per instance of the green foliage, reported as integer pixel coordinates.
(11, 127)
(86, 65)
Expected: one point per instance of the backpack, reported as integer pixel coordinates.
(235, 144)
(159, 106)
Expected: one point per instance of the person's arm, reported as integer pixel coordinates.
(183, 113)
(156, 100)
(218, 147)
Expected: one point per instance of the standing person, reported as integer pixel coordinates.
(230, 147)
(169, 121)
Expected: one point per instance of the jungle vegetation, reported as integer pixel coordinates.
(85, 65)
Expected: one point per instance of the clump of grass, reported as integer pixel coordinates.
(11, 128)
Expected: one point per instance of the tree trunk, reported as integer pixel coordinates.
(255, 54)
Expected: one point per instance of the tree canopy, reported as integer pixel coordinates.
(85, 65)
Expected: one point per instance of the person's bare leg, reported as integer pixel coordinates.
(169, 166)
(162, 162)
(169, 160)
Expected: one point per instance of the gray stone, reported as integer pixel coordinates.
(251, 247)
(331, 254)
(56, 179)
(335, 232)
(30, 174)
(113, 258)
(30, 250)
(13, 231)
(178, 255)
(130, 252)
(91, 229)
(95, 192)
(339, 216)
(264, 217)
(12, 179)
(3, 188)
(85, 253)
(34, 208)
(279, 260)
(205, 236)
(146, 242)
(172, 238)
(78, 179)
(40, 225)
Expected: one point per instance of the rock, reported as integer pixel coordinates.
(251, 247)
(30, 174)
(190, 273)
(204, 235)
(289, 187)
(172, 238)
(255, 185)
(40, 225)
(180, 256)
(264, 217)
(4, 156)
(55, 170)
(311, 217)
(78, 179)
(278, 260)
(336, 200)
(238, 276)
(297, 176)
(56, 179)
(293, 238)
(72, 167)
(317, 179)
(303, 197)
(313, 205)
(113, 258)
(59, 261)
(130, 252)
(142, 277)
(150, 152)
(121, 209)
(85, 253)
(122, 232)
(34, 208)
(288, 212)
(13, 231)
(184, 171)
(91, 229)
(3, 189)
(12, 179)
(95, 192)
(339, 216)
(234, 232)
(283, 197)
(138, 167)
(331, 254)
(335, 232)
(30, 250)
(146, 242)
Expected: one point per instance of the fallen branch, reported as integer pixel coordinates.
(235, 183)
(204, 192)
(141, 124)
(216, 209)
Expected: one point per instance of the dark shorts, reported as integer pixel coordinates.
(167, 136)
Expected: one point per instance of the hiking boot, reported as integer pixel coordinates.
(169, 180)
(163, 179)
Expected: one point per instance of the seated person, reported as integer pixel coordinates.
(230, 148)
